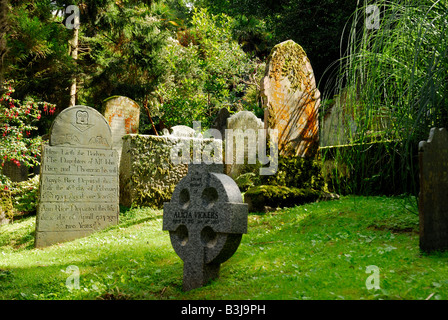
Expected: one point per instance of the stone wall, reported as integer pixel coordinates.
(147, 174)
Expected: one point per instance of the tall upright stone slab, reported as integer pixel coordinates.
(243, 127)
(291, 100)
(206, 219)
(433, 198)
(78, 192)
(123, 116)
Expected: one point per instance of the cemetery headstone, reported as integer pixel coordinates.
(206, 219)
(14, 172)
(291, 100)
(243, 127)
(182, 131)
(123, 116)
(79, 178)
(433, 205)
(220, 122)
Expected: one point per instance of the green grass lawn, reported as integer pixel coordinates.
(315, 251)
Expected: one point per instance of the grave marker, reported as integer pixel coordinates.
(291, 100)
(206, 219)
(79, 178)
(242, 137)
(433, 205)
(123, 116)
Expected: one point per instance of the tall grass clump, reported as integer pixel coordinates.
(392, 88)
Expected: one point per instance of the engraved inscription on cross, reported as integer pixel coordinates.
(206, 219)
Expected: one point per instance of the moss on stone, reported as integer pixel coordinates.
(148, 176)
(260, 197)
(6, 207)
(288, 59)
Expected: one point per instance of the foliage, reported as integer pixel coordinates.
(37, 56)
(121, 45)
(207, 71)
(24, 195)
(395, 81)
(317, 27)
(18, 120)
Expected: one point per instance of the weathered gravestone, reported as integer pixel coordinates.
(123, 116)
(206, 218)
(15, 172)
(182, 131)
(242, 137)
(433, 198)
(220, 122)
(291, 100)
(79, 178)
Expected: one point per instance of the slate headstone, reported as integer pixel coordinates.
(433, 198)
(206, 219)
(123, 116)
(78, 192)
(291, 100)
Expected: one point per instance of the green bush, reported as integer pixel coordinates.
(24, 195)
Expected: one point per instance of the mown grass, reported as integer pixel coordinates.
(315, 251)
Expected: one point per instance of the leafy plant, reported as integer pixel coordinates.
(18, 121)
(394, 80)
(207, 71)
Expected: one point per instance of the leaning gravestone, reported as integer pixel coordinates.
(291, 100)
(123, 116)
(433, 198)
(242, 137)
(79, 178)
(206, 218)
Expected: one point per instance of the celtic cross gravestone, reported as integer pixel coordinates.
(206, 219)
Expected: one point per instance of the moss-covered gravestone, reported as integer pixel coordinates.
(78, 191)
(433, 199)
(123, 116)
(206, 219)
(291, 100)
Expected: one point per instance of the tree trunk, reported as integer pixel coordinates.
(74, 54)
